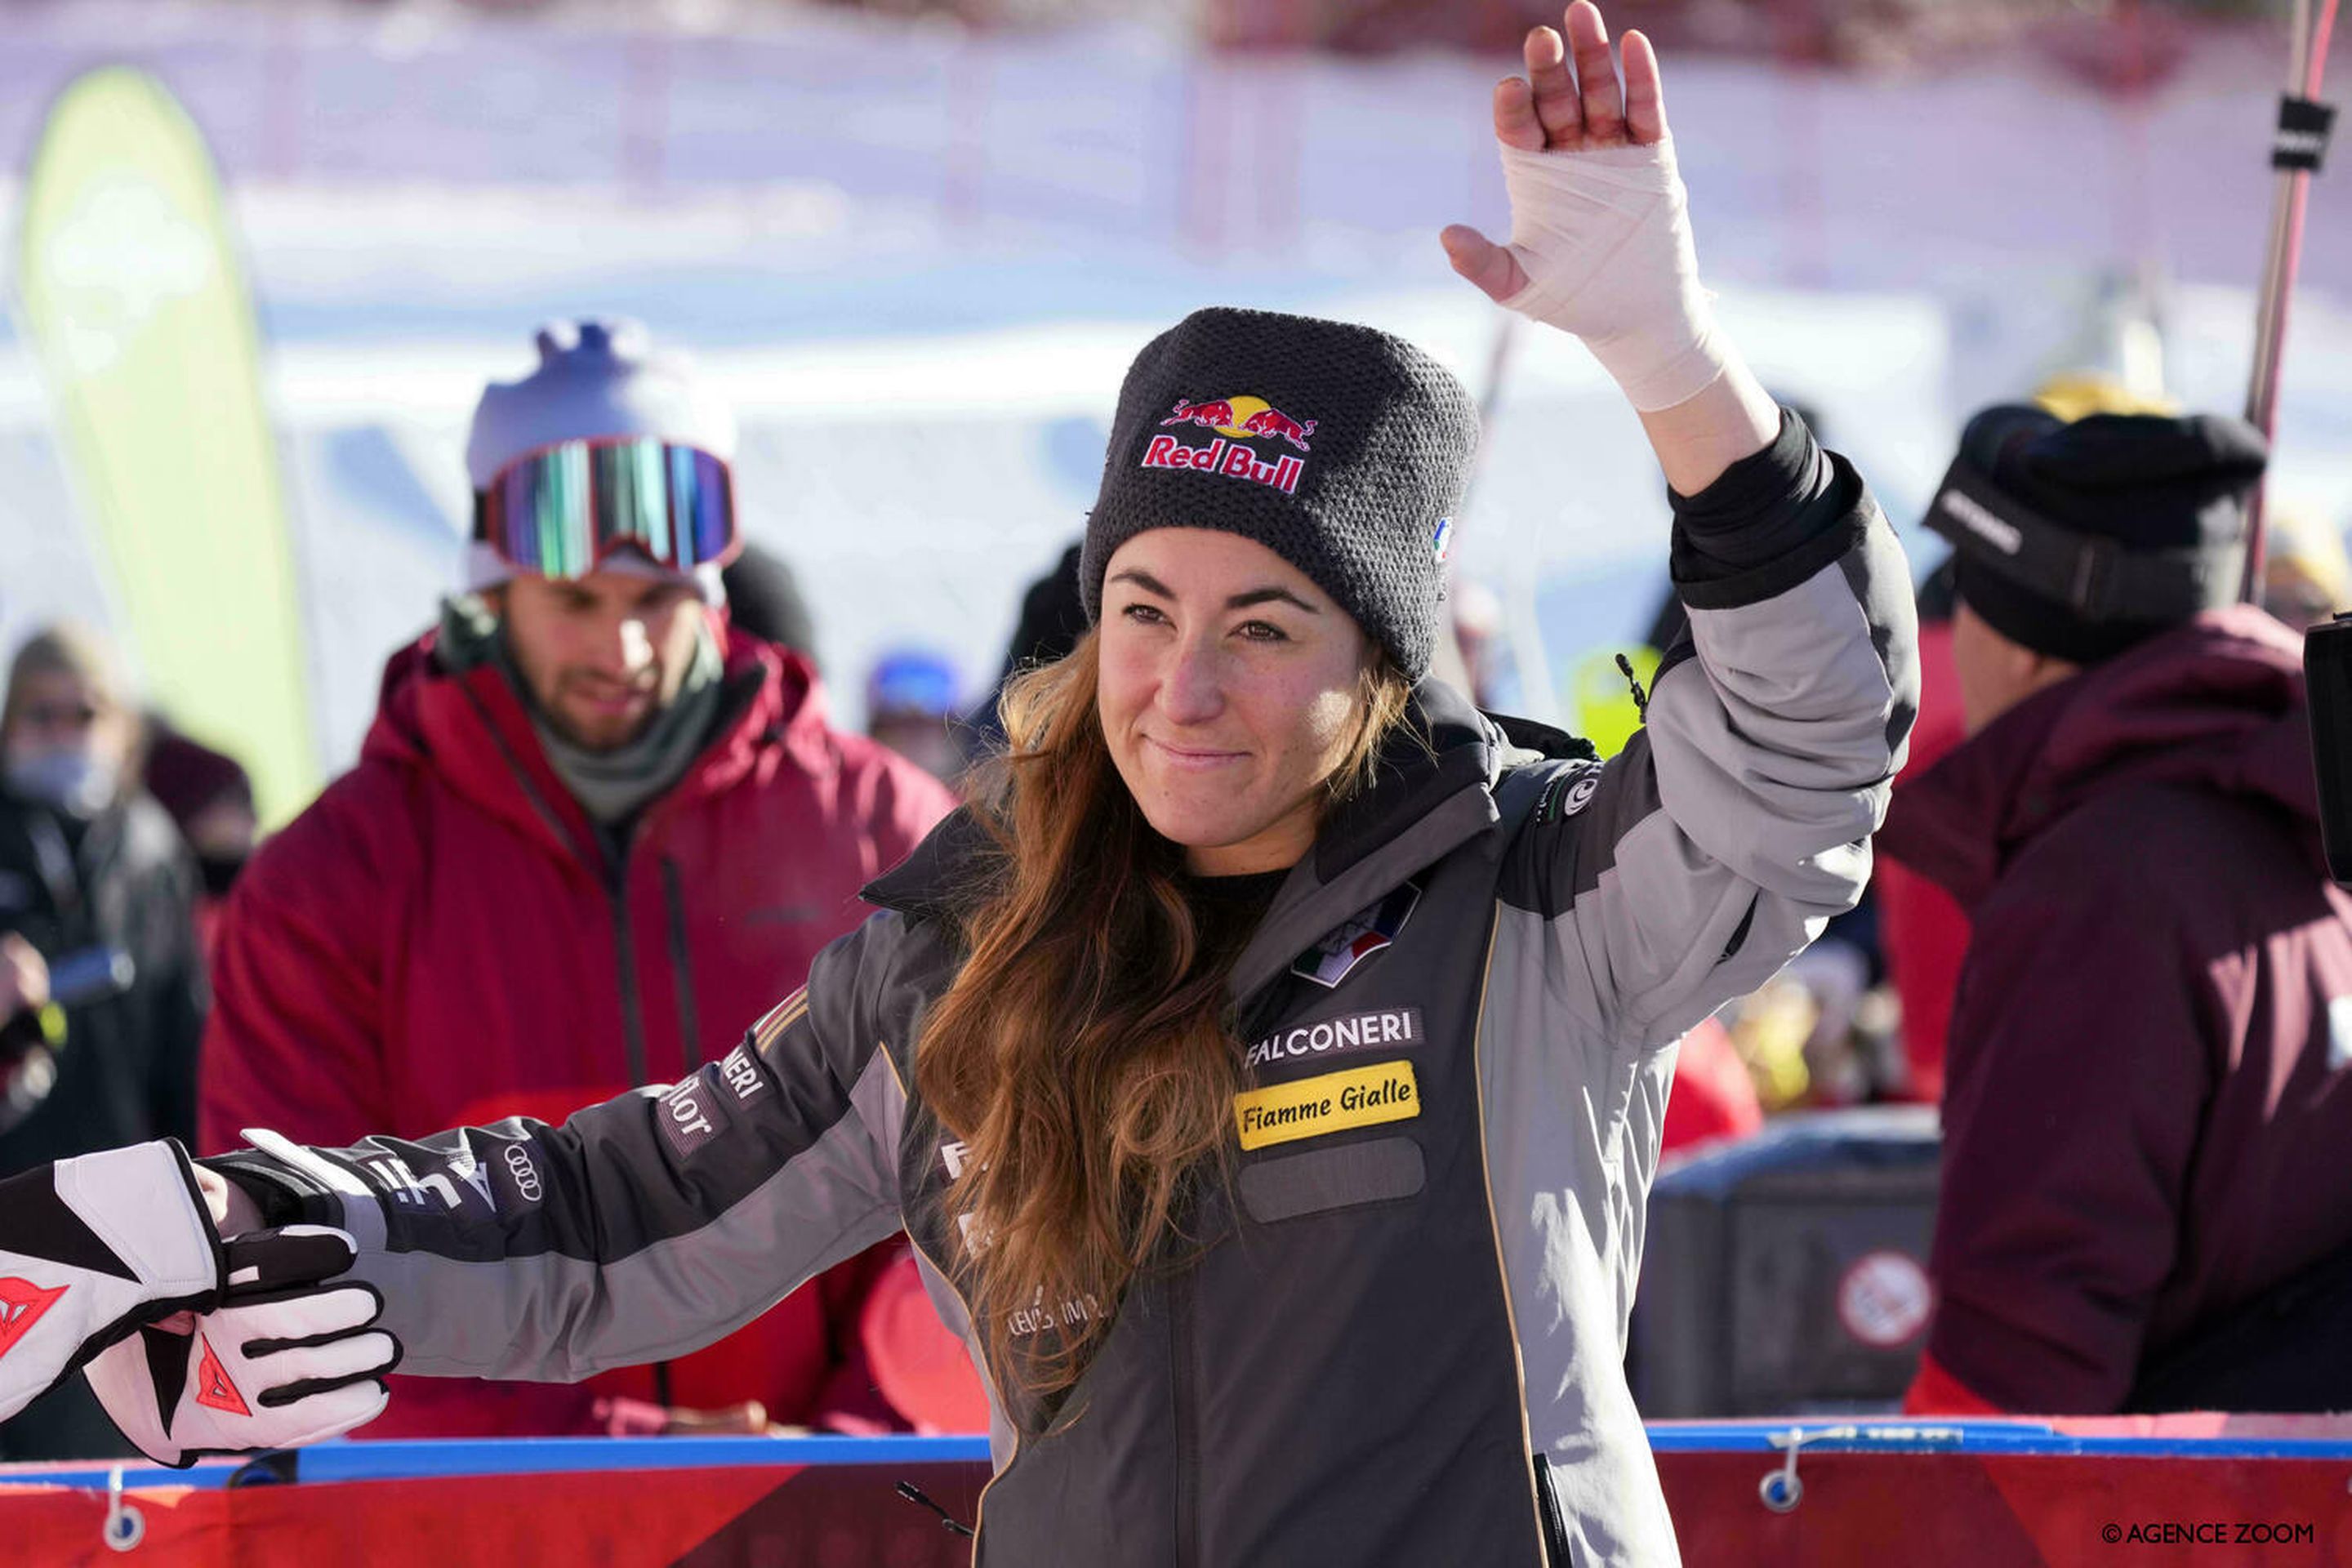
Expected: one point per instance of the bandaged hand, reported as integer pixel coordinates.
(291, 1367)
(1603, 237)
(1600, 241)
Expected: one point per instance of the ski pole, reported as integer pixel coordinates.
(2297, 152)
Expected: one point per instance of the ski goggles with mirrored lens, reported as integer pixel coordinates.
(561, 511)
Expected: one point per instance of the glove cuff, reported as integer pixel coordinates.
(144, 1202)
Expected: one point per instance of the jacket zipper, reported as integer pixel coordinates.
(617, 886)
(1182, 1398)
(681, 963)
(632, 1028)
(625, 945)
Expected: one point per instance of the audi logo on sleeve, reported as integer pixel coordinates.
(525, 1174)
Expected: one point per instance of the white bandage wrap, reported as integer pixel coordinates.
(1604, 235)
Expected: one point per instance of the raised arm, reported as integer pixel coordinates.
(1737, 820)
(1600, 246)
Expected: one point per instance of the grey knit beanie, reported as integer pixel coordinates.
(1340, 448)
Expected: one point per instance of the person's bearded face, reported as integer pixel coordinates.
(602, 654)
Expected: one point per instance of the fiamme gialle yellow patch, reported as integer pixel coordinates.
(1329, 1102)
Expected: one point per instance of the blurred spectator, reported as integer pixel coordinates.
(2145, 1103)
(765, 599)
(1713, 1096)
(910, 703)
(97, 885)
(1922, 928)
(594, 835)
(210, 796)
(2305, 577)
(1052, 619)
(101, 998)
(1479, 632)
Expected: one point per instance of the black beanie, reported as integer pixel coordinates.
(2170, 493)
(765, 599)
(1339, 448)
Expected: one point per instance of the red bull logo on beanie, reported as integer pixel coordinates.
(1231, 459)
(1217, 414)
(1235, 420)
(1241, 416)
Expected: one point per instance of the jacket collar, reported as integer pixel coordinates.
(1432, 792)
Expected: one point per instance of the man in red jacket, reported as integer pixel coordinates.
(2146, 1098)
(593, 835)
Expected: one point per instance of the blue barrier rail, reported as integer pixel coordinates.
(1882, 1435)
(349, 1461)
(346, 1461)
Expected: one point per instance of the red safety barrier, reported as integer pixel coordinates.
(2195, 1490)
(1961, 1511)
(846, 1516)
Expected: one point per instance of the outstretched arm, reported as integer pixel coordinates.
(1600, 246)
(641, 1228)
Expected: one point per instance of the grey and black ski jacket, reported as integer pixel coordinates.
(1401, 1342)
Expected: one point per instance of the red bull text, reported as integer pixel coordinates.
(1231, 420)
(1230, 458)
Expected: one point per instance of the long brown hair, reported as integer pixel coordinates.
(1082, 1053)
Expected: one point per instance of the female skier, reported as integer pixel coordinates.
(1270, 1066)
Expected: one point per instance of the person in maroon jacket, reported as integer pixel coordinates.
(1925, 934)
(2146, 1101)
(593, 835)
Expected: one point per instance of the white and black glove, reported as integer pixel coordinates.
(268, 1369)
(93, 1246)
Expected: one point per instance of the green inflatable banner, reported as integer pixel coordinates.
(137, 306)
